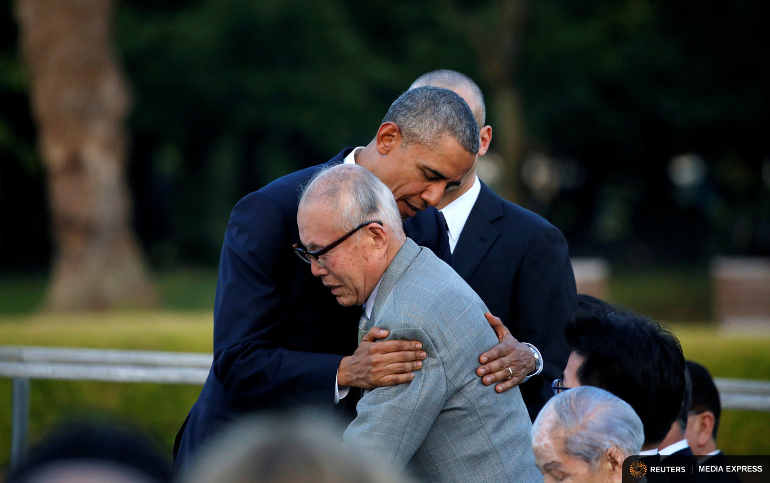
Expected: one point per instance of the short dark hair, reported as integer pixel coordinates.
(705, 396)
(686, 400)
(632, 357)
(425, 113)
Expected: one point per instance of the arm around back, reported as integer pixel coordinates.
(253, 310)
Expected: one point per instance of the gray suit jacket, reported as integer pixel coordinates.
(444, 425)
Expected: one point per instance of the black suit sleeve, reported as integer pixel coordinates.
(250, 316)
(545, 298)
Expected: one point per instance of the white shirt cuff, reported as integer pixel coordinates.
(340, 392)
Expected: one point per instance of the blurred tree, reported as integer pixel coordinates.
(79, 99)
(494, 29)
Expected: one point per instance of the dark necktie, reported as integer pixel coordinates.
(445, 253)
(429, 229)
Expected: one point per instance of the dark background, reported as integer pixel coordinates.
(229, 94)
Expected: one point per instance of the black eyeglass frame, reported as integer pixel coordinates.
(556, 386)
(307, 256)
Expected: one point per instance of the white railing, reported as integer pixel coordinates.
(24, 363)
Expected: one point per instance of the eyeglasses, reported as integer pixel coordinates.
(307, 256)
(557, 386)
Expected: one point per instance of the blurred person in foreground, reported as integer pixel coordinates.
(630, 356)
(285, 448)
(584, 435)
(86, 452)
(444, 425)
(514, 259)
(280, 339)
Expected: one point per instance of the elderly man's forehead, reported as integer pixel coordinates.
(548, 430)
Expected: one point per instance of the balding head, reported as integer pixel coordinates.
(351, 229)
(459, 83)
(356, 195)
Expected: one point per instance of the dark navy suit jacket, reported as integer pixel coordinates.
(279, 334)
(519, 265)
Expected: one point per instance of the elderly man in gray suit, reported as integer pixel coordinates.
(444, 425)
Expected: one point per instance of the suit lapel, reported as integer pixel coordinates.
(479, 233)
(398, 266)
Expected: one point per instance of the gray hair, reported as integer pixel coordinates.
(357, 195)
(592, 421)
(426, 113)
(286, 448)
(451, 79)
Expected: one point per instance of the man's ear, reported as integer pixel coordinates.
(614, 459)
(378, 236)
(388, 137)
(485, 139)
(705, 427)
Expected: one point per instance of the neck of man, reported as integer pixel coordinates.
(675, 434)
(367, 157)
(707, 448)
(380, 268)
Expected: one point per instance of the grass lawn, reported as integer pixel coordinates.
(159, 409)
(185, 324)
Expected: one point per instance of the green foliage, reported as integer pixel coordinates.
(231, 94)
(228, 95)
(157, 409)
(742, 356)
(185, 289)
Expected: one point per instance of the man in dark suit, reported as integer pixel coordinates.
(630, 356)
(637, 360)
(703, 423)
(513, 258)
(280, 339)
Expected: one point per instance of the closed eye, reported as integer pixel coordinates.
(432, 175)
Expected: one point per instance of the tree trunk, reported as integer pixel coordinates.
(80, 100)
(494, 31)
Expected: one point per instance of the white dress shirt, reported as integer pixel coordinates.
(458, 211)
(351, 157)
(673, 448)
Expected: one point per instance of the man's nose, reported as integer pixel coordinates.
(316, 268)
(433, 193)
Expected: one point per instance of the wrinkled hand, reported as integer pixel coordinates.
(508, 353)
(385, 363)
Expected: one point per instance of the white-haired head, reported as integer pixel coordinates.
(588, 431)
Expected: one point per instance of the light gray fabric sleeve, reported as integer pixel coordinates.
(393, 421)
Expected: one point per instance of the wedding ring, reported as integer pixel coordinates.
(510, 373)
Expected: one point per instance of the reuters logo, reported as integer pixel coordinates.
(637, 469)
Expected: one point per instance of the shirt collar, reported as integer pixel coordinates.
(369, 304)
(457, 212)
(673, 448)
(649, 452)
(351, 157)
